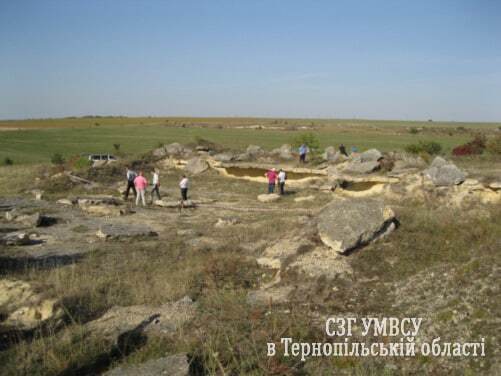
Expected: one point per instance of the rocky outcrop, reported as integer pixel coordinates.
(346, 225)
(172, 365)
(321, 261)
(371, 155)
(268, 197)
(283, 251)
(23, 307)
(359, 167)
(28, 220)
(15, 238)
(254, 151)
(196, 166)
(150, 321)
(443, 173)
(284, 152)
(119, 232)
(175, 204)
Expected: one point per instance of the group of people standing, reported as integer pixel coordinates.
(138, 184)
(274, 177)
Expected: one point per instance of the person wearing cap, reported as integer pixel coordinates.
(272, 178)
(282, 177)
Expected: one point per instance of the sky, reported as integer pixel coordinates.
(408, 60)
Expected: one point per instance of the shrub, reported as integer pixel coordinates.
(57, 159)
(8, 162)
(309, 139)
(116, 147)
(82, 163)
(413, 130)
(494, 145)
(429, 147)
(475, 146)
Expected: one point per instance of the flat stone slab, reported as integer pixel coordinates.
(118, 231)
(271, 197)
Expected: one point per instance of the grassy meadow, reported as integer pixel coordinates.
(35, 141)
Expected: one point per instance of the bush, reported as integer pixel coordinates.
(429, 147)
(494, 145)
(308, 139)
(57, 159)
(475, 146)
(413, 130)
(81, 163)
(8, 162)
(116, 147)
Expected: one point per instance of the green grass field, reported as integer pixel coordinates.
(35, 141)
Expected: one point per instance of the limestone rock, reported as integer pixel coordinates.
(38, 194)
(175, 204)
(172, 365)
(118, 232)
(345, 225)
(304, 198)
(224, 157)
(23, 307)
(371, 155)
(65, 201)
(356, 167)
(495, 185)
(15, 238)
(443, 173)
(283, 252)
(227, 221)
(196, 166)
(175, 149)
(321, 262)
(254, 151)
(273, 295)
(151, 321)
(268, 197)
(284, 152)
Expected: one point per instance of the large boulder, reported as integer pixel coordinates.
(254, 151)
(331, 155)
(224, 157)
(175, 149)
(172, 365)
(196, 166)
(371, 155)
(443, 173)
(356, 167)
(119, 232)
(345, 225)
(268, 197)
(284, 152)
(24, 307)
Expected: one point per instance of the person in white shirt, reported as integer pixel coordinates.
(156, 184)
(282, 177)
(184, 185)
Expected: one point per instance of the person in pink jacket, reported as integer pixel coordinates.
(140, 183)
(272, 177)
